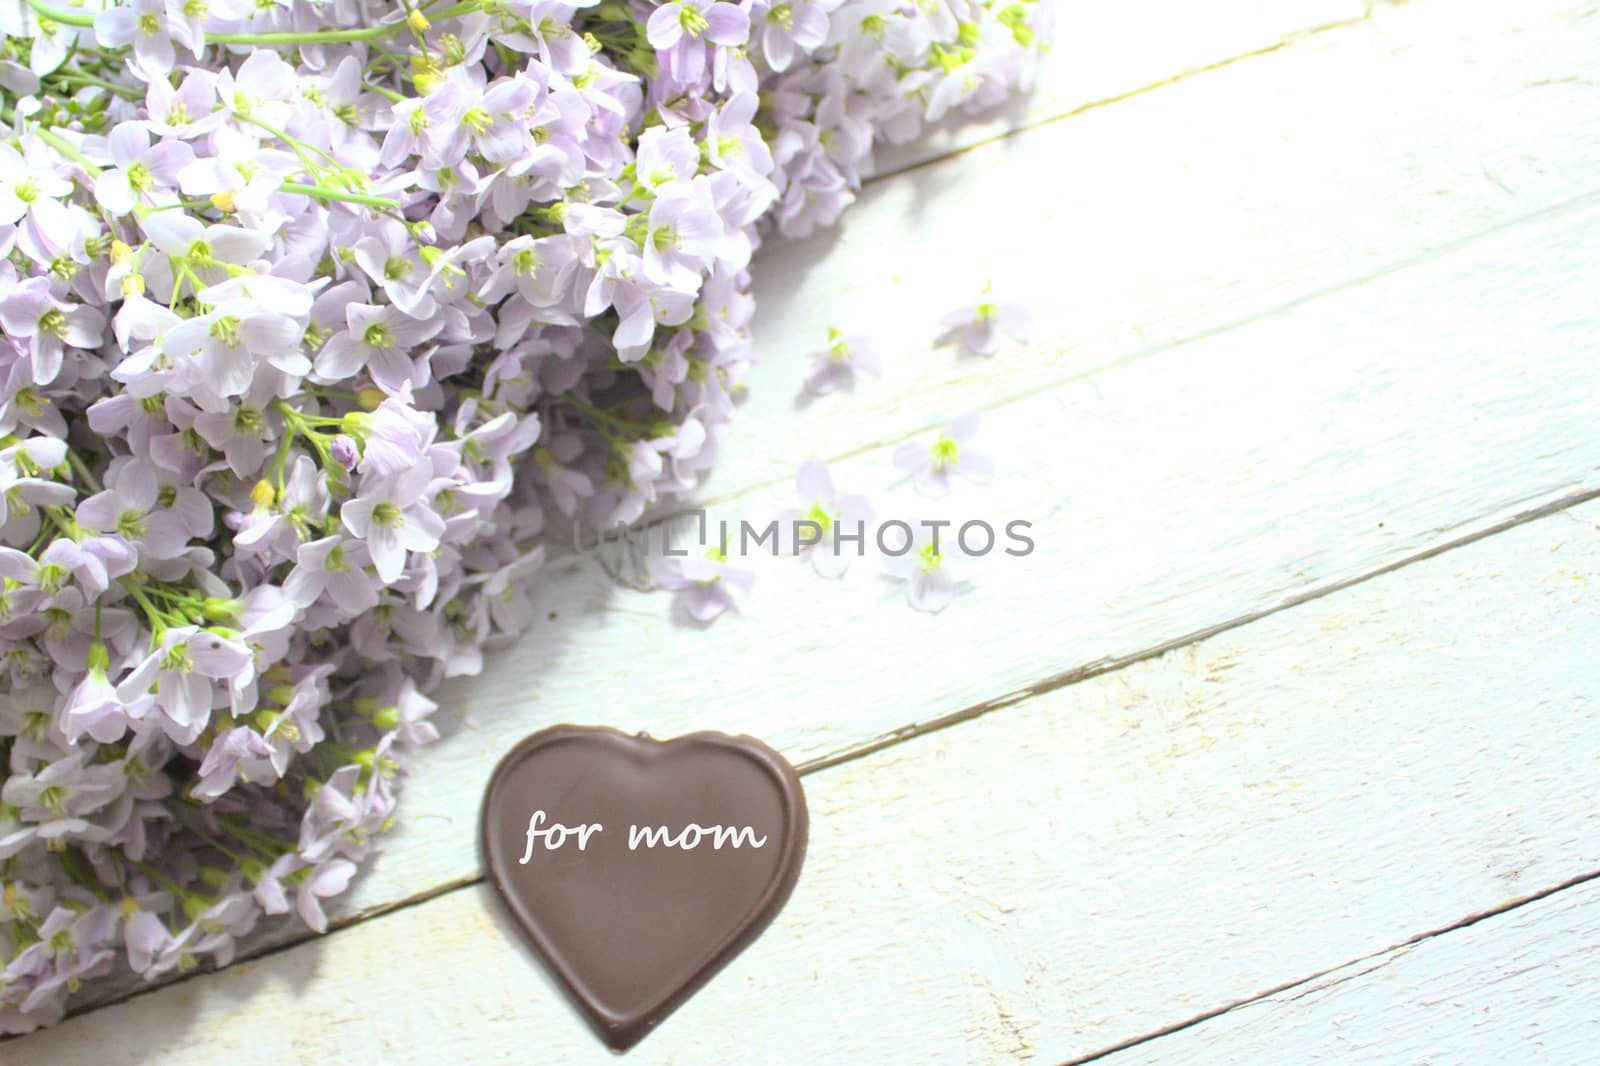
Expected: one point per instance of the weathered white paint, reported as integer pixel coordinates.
(1106, 51)
(1167, 496)
(1175, 213)
(1141, 848)
(1517, 987)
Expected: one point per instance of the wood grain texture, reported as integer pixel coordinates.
(1111, 858)
(1104, 52)
(1522, 986)
(1167, 496)
(1170, 215)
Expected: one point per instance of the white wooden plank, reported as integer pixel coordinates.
(1521, 986)
(1176, 213)
(1111, 858)
(1103, 52)
(1167, 496)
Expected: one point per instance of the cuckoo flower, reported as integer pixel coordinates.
(682, 30)
(831, 528)
(979, 326)
(932, 565)
(705, 584)
(838, 365)
(934, 468)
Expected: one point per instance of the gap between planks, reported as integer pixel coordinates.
(1035, 122)
(1572, 205)
(337, 925)
(1516, 575)
(1379, 958)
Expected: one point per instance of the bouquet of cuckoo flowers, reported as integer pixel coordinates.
(317, 314)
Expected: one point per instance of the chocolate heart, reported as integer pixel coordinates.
(639, 867)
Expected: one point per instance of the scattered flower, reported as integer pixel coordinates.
(979, 326)
(934, 468)
(705, 583)
(933, 566)
(838, 365)
(831, 527)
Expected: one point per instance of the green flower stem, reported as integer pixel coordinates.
(298, 145)
(158, 619)
(185, 898)
(73, 76)
(187, 813)
(82, 470)
(388, 94)
(78, 868)
(622, 426)
(321, 193)
(263, 843)
(64, 146)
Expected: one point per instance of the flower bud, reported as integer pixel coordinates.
(344, 451)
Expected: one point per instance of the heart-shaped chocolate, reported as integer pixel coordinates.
(639, 867)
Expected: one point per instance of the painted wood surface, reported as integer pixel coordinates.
(1517, 987)
(1145, 847)
(1330, 307)
(1167, 496)
(1132, 228)
(1104, 52)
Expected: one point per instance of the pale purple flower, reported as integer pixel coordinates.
(27, 186)
(51, 41)
(32, 314)
(239, 754)
(215, 932)
(934, 468)
(394, 435)
(831, 527)
(394, 516)
(979, 326)
(186, 672)
(705, 584)
(328, 879)
(681, 30)
(332, 569)
(96, 708)
(791, 27)
(929, 561)
(379, 339)
(144, 174)
(133, 507)
(410, 713)
(146, 937)
(143, 24)
(837, 366)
